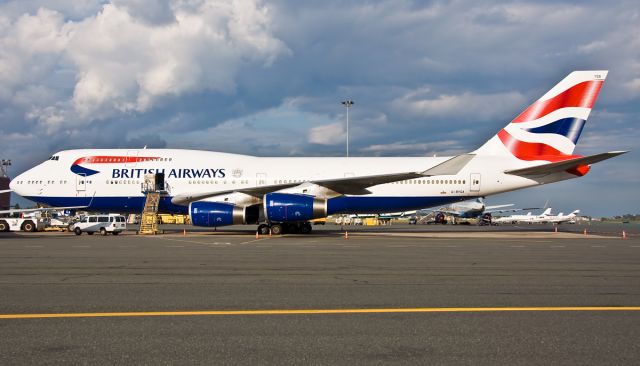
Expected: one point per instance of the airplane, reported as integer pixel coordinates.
(560, 218)
(472, 209)
(283, 193)
(528, 218)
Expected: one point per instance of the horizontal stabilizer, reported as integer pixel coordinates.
(449, 167)
(560, 166)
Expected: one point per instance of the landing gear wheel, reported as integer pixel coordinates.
(305, 228)
(276, 229)
(103, 231)
(291, 228)
(263, 229)
(77, 231)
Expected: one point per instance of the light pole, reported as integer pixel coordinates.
(4, 167)
(348, 104)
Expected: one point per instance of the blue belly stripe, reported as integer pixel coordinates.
(350, 204)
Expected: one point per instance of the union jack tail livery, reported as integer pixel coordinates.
(548, 130)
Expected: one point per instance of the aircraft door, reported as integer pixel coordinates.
(261, 179)
(474, 181)
(131, 158)
(81, 185)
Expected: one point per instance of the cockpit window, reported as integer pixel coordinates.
(54, 158)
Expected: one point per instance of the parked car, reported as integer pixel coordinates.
(104, 224)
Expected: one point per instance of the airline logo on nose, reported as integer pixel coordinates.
(84, 171)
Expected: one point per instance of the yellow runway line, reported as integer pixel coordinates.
(319, 311)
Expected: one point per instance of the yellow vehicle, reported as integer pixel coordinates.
(320, 221)
(172, 219)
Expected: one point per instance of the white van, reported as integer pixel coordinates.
(111, 223)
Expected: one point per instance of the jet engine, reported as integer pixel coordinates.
(286, 207)
(216, 214)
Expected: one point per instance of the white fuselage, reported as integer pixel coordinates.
(110, 179)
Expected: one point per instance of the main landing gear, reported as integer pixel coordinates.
(285, 228)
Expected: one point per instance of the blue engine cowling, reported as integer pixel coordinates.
(214, 214)
(286, 207)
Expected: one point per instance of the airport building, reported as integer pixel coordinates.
(5, 198)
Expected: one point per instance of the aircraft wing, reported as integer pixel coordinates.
(493, 208)
(560, 166)
(5, 191)
(359, 185)
(347, 185)
(186, 198)
(444, 210)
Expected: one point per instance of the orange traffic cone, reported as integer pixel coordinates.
(346, 234)
(257, 235)
(269, 232)
(184, 232)
(585, 231)
(624, 234)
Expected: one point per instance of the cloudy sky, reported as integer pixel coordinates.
(267, 77)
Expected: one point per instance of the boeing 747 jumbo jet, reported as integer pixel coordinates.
(218, 189)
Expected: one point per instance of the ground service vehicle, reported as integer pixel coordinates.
(104, 224)
(22, 224)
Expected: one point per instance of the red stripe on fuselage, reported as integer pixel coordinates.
(113, 159)
(580, 95)
(532, 150)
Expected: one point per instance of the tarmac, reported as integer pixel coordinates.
(386, 295)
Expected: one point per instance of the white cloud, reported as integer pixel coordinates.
(467, 105)
(132, 54)
(331, 134)
(444, 147)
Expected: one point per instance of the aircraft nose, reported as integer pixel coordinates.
(13, 184)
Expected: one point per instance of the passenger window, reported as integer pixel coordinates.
(93, 219)
(103, 219)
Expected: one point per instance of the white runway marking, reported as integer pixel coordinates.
(598, 246)
(253, 241)
(81, 246)
(33, 246)
(556, 246)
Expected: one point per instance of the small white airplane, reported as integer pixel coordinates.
(528, 218)
(560, 218)
(278, 193)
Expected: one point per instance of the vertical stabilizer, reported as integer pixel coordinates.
(549, 129)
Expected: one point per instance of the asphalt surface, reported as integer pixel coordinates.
(61, 273)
